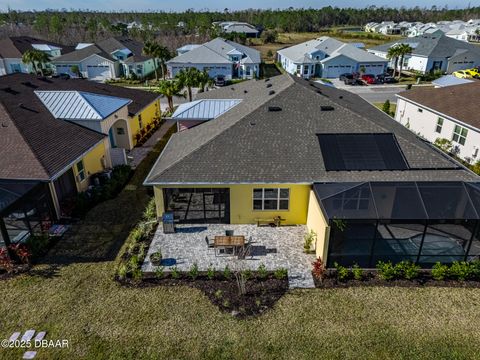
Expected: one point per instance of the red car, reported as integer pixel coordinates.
(369, 78)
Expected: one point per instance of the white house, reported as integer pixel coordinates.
(218, 57)
(328, 58)
(107, 59)
(433, 52)
(444, 113)
(13, 48)
(237, 27)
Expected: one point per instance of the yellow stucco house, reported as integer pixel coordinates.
(293, 152)
(61, 132)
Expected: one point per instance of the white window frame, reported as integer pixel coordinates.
(439, 125)
(458, 136)
(278, 198)
(80, 173)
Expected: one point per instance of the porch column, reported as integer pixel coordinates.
(56, 203)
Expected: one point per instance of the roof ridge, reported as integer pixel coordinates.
(192, 151)
(81, 94)
(24, 139)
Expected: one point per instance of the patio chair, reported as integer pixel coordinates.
(245, 251)
(209, 243)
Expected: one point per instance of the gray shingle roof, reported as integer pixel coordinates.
(250, 144)
(79, 55)
(216, 52)
(432, 45)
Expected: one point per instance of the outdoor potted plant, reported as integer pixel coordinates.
(156, 258)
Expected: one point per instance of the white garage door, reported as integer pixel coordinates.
(374, 69)
(334, 71)
(98, 72)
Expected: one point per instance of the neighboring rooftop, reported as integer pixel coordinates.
(216, 51)
(205, 109)
(113, 44)
(436, 44)
(329, 46)
(79, 105)
(272, 137)
(83, 53)
(454, 101)
(15, 46)
(450, 80)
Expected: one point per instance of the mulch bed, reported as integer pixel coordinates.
(370, 278)
(261, 294)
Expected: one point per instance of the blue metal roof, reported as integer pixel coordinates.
(204, 109)
(449, 80)
(78, 105)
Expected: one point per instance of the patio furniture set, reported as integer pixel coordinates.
(230, 245)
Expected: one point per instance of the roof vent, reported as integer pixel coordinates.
(274, 108)
(10, 90)
(245, 91)
(340, 97)
(327, 108)
(271, 92)
(232, 88)
(27, 108)
(267, 79)
(269, 85)
(4, 125)
(252, 123)
(29, 84)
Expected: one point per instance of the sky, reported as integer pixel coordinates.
(180, 5)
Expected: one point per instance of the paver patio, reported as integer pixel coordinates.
(275, 247)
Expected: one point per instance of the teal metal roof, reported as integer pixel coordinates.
(79, 105)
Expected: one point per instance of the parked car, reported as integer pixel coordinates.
(220, 80)
(352, 80)
(386, 79)
(462, 74)
(369, 78)
(473, 73)
(343, 76)
(64, 76)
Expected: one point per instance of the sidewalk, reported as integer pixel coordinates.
(139, 153)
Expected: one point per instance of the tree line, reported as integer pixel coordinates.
(90, 25)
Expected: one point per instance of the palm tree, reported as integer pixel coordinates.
(403, 49)
(189, 78)
(35, 57)
(393, 53)
(151, 49)
(204, 80)
(163, 54)
(169, 89)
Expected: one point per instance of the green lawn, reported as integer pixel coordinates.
(393, 107)
(72, 296)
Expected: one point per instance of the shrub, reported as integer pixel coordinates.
(247, 273)
(5, 261)
(262, 271)
(159, 272)
(175, 273)
(150, 213)
(342, 272)
(386, 270)
(122, 271)
(133, 263)
(210, 272)
(38, 244)
(475, 268)
(357, 272)
(407, 269)
(460, 270)
(439, 271)
(318, 269)
(137, 274)
(227, 273)
(21, 252)
(280, 273)
(193, 272)
(142, 248)
(156, 257)
(309, 239)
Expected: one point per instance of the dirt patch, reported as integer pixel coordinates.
(261, 293)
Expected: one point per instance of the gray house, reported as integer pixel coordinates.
(328, 58)
(218, 57)
(434, 51)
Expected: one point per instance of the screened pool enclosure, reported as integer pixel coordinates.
(423, 222)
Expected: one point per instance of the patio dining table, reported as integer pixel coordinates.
(228, 242)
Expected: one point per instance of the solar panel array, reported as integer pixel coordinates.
(349, 152)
